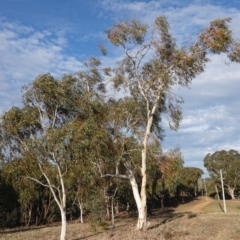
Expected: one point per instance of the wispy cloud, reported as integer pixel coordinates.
(26, 53)
(185, 19)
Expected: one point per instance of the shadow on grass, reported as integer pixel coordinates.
(110, 231)
(192, 215)
(94, 234)
(221, 206)
(26, 229)
(21, 229)
(169, 218)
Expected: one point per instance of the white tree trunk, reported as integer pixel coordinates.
(216, 189)
(142, 214)
(60, 200)
(81, 211)
(141, 203)
(142, 210)
(231, 192)
(138, 201)
(64, 224)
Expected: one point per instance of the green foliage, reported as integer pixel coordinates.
(150, 75)
(8, 202)
(229, 162)
(57, 135)
(218, 37)
(96, 206)
(131, 31)
(171, 166)
(189, 179)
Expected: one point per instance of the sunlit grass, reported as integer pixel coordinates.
(186, 207)
(232, 206)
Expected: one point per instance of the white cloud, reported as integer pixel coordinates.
(206, 130)
(184, 20)
(26, 53)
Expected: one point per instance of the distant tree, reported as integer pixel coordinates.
(229, 162)
(170, 167)
(189, 177)
(8, 202)
(164, 171)
(152, 65)
(34, 200)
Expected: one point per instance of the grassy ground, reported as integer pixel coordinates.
(186, 207)
(232, 206)
(174, 224)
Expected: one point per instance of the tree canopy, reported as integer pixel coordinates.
(152, 65)
(229, 162)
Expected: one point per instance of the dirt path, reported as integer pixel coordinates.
(198, 208)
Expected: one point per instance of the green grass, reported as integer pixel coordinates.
(232, 206)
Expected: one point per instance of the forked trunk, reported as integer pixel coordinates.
(231, 192)
(141, 203)
(142, 207)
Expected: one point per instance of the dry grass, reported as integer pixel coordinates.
(168, 225)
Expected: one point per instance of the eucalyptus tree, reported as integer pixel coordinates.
(152, 65)
(42, 135)
(31, 199)
(229, 162)
(170, 166)
(189, 177)
(87, 145)
(8, 201)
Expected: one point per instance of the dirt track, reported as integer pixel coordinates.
(198, 208)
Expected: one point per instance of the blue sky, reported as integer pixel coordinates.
(56, 36)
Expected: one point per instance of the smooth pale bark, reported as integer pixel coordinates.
(231, 192)
(62, 205)
(81, 211)
(141, 201)
(64, 224)
(142, 210)
(112, 207)
(138, 201)
(61, 200)
(140, 206)
(140, 198)
(216, 189)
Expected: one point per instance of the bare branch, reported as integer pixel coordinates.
(111, 175)
(37, 181)
(115, 176)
